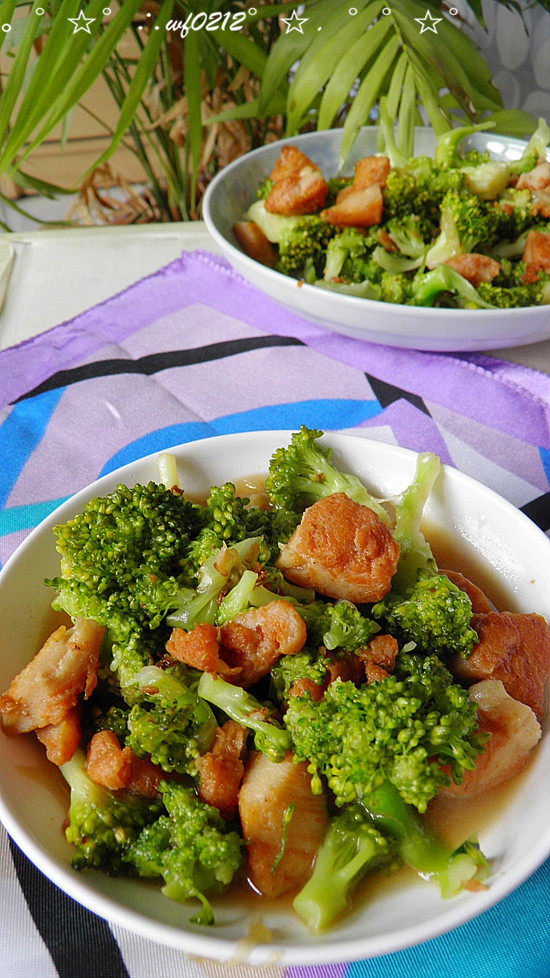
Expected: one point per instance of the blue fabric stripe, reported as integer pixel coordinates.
(326, 413)
(15, 518)
(21, 432)
(545, 459)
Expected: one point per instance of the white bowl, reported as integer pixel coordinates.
(233, 190)
(498, 545)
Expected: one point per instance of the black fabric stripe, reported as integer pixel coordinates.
(387, 394)
(538, 510)
(81, 945)
(156, 362)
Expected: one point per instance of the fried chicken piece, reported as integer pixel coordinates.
(252, 642)
(514, 732)
(371, 170)
(268, 790)
(341, 549)
(254, 243)
(49, 686)
(512, 648)
(475, 268)
(298, 185)
(536, 255)
(359, 209)
(62, 739)
(199, 648)
(378, 657)
(537, 178)
(116, 767)
(221, 769)
(480, 602)
(107, 763)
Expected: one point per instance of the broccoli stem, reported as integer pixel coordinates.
(351, 848)
(426, 288)
(241, 706)
(446, 147)
(419, 847)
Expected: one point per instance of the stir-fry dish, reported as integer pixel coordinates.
(455, 231)
(275, 692)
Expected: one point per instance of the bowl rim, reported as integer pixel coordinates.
(195, 941)
(337, 298)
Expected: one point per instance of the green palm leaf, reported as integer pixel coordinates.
(369, 90)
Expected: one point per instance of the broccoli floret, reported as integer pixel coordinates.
(310, 664)
(219, 573)
(516, 296)
(487, 180)
(349, 257)
(170, 724)
(302, 473)
(264, 188)
(274, 226)
(302, 249)
(446, 153)
(535, 149)
(401, 729)
(121, 556)
(102, 825)
(515, 215)
(428, 287)
(190, 848)
(434, 613)
(467, 224)
(406, 232)
(395, 287)
(353, 846)
(224, 516)
(270, 738)
(360, 290)
(337, 626)
(423, 606)
(274, 526)
(420, 848)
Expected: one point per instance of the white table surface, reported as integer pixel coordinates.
(60, 273)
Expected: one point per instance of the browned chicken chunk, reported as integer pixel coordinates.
(116, 767)
(341, 549)
(536, 255)
(49, 686)
(199, 648)
(514, 732)
(480, 602)
(369, 170)
(475, 268)
(221, 769)
(514, 649)
(379, 657)
(268, 790)
(356, 208)
(62, 739)
(298, 185)
(254, 242)
(252, 642)
(536, 179)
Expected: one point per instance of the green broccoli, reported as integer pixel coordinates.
(302, 249)
(170, 724)
(516, 296)
(428, 287)
(223, 517)
(101, 824)
(264, 188)
(383, 745)
(534, 151)
(349, 257)
(423, 606)
(189, 847)
(310, 664)
(467, 224)
(360, 290)
(401, 729)
(406, 233)
(302, 473)
(338, 625)
(270, 738)
(446, 154)
(353, 846)
(395, 287)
